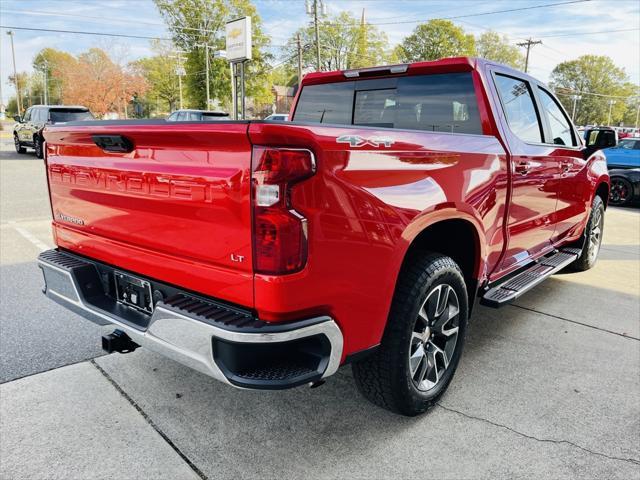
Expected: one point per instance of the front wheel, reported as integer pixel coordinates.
(19, 147)
(592, 237)
(423, 340)
(621, 191)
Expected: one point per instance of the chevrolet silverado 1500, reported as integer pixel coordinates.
(268, 254)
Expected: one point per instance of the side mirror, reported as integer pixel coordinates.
(17, 118)
(598, 139)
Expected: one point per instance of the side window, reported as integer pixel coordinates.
(27, 115)
(173, 117)
(194, 117)
(561, 131)
(182, 116)
(518, 106)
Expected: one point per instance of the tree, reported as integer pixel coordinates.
(345, 42)
(492, 46)
(53, 62)
(160, 73)
(436, 39)
(96, 82)
(597, 80)
(196, 23)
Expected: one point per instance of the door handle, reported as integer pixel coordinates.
(566, 167)
(523, 168)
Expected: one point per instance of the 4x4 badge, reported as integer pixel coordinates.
(358, 141)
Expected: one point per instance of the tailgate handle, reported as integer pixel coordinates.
(113, 143)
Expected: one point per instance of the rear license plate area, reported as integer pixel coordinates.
(133, 292)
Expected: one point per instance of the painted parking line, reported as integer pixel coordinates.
(29, 236)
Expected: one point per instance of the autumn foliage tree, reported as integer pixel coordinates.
(98, 83)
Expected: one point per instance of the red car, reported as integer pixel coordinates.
(269, 254)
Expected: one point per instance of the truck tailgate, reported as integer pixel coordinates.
(175, 208)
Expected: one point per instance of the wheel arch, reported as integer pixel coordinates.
(602, 191)
(457, 237)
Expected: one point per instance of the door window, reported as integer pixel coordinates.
(519, 108)
(561, 131)
(27, 116)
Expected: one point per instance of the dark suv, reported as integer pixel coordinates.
(28, 131)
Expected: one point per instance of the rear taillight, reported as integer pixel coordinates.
(280, 233)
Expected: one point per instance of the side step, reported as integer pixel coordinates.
(511, 289)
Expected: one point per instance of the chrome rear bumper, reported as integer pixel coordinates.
(229, 344)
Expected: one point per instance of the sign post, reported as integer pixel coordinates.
(238, 36)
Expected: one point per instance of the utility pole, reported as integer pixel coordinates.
(15, 75)
(206, 53)
(528, 44)
(611, 103)
(575, 101)
(638, 113)
(203, 31)
(299, 59)
(179, 72)
(46, 82)
(312, 9)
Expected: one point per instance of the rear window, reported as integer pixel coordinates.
(57, 116)
(437, 103)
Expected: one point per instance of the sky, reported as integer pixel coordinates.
(567, 31)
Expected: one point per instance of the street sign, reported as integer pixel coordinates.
(238, 34)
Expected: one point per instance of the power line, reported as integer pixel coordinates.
(80, 32)
(576, 34)
(578, 92)
(477, 14)
(103, 19)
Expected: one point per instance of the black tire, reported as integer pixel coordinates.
(591, 246)
(385, 378)
(621, 192)
(18, 145)
(37, 146)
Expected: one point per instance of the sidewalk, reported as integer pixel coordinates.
(72, 423)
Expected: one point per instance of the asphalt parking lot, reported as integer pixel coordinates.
(547, 388)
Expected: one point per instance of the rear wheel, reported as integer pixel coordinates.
(423, 341)
(37, 146)
(621, 191)
(19, 147)
(593, 237)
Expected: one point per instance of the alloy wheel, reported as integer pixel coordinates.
(595, 234)
(619, 192)
(434, 337)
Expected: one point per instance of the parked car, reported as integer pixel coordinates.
(267, 254)
(282, 117)
(27, 131)
(626, 154)
(625, 187)
(197, 116)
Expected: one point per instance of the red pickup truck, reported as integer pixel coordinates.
(267, 254)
